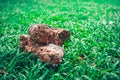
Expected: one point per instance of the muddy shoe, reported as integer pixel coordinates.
(43, 34)
(50, 53)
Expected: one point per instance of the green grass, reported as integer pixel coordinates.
(95, 36)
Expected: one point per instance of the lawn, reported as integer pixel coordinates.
(91, 53)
